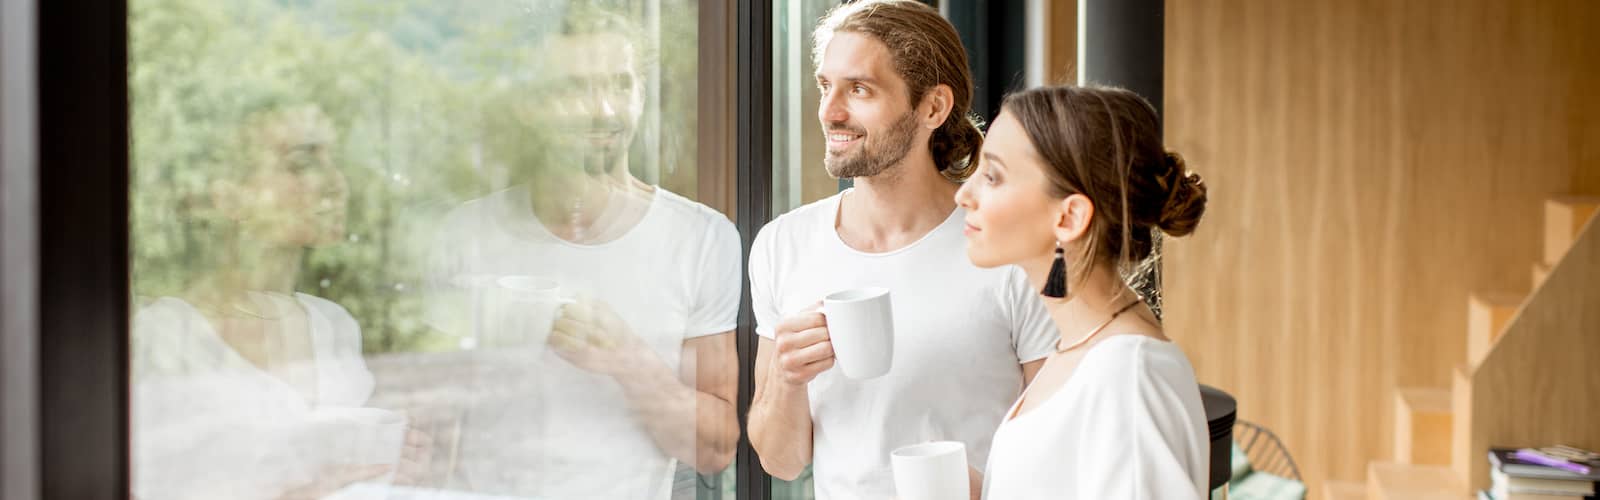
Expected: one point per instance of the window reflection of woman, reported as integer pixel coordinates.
(288, 197)
(243, 387)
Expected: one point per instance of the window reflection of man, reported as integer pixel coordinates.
(638, 371)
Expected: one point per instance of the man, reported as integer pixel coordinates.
(595, 398)
(895, 98)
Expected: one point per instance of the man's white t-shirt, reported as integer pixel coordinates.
(961, 334)
(542, 427)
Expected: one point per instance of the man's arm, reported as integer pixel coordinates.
(780, 416)
(1031, 369)
(690, 414)
(974, 475)
(780, 420)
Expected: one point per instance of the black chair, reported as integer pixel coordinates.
(1265, 451)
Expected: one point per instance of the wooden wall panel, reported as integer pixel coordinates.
(1061, 52)
(716, 168)
(1370, 164)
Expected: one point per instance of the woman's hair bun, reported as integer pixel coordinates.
(1186, 198)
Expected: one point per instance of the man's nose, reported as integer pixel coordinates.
(603, 103)
(832, 109)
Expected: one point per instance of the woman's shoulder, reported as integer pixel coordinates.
(332, 310)
(1133, 358)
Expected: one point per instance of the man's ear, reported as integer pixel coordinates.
(936, 106)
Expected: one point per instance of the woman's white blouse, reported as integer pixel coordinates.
(1128, 424)
(207, 424)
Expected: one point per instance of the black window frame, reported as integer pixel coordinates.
(65, 422)
(70, 405)
(64, 214)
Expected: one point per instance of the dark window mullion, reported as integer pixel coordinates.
(754, 157)
(83, 249)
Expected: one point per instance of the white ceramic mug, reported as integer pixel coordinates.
(861, 327)
(528, 309)
(931, 471)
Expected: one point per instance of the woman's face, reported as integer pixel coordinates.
(297, 198)
(1011, 217)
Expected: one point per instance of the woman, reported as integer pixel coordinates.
(1072, 185)
(243, 387)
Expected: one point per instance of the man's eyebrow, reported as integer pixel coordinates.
(853, 78)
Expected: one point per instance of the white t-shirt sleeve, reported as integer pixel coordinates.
(1033, 333)
(763, 297)
(716, 299)
(1136, 439)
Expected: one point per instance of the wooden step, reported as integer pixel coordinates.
(1488, 313)
(1540, 272)
(1564, 217)
(1392, 481)
(1462, 455)
(1344, 490)
(1422, 430)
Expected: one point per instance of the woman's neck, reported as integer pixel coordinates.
(1091, 300)
(255, 268)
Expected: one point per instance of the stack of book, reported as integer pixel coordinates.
(1554, 473)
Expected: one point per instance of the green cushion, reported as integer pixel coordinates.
(1264, 486)
(1241, 464)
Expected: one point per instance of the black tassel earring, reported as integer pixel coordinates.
(1056, 285)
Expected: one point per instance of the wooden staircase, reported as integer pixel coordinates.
(1432, 424)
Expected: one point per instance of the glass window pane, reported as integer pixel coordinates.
(798, 176)
(429, 249)
(797, 143)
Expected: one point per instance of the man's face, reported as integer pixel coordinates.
(865, 111)
(593, 93)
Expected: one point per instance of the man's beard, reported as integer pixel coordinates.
(872, 157)
(576, 151)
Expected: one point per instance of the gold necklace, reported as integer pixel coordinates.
(227, 306)
(1096, 330)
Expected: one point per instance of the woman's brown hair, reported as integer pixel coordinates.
(927, 52)
(1105, 143)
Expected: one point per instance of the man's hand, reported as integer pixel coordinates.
(804, 349)
(592, 337)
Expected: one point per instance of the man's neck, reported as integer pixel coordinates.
(571, 206)
(897, 207)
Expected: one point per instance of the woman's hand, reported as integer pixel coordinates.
(334, 478)
(416, 458)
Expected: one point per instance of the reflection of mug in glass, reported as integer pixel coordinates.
(931, 471)
(861, 327)
(466, 312)
(529, 309)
